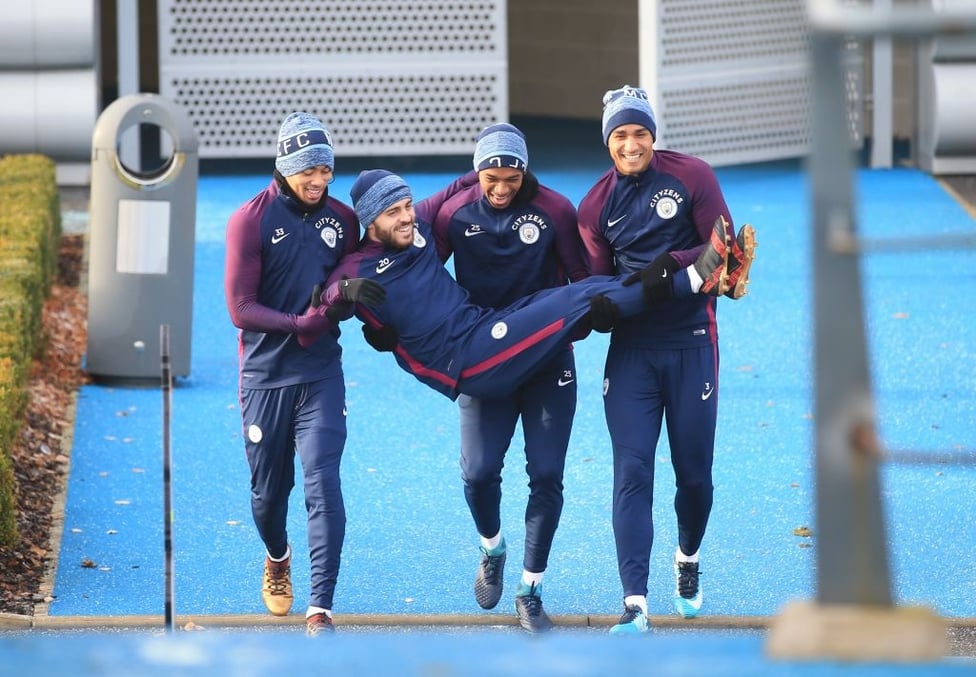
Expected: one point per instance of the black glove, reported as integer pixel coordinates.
(311, 325)
(604, 313)
(382, 339)
(362, 290)
(337, 312)
(657, 279)
(355, 290)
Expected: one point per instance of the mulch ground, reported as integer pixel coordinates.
(40, 454)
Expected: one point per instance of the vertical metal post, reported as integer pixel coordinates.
(167, 381)
(648, 17)
(851, 545)
(882, 77)
(854, 617)
(127, 56)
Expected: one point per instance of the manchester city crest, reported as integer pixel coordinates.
(667, 207)
(529, 233)
(329, 237)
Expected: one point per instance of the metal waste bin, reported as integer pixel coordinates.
(140, 247)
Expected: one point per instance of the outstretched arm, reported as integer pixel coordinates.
(428, 207)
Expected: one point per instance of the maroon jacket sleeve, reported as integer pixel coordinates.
(569, 246)
(242, 276)
(596, 249)
(431, 210)
(708, 204)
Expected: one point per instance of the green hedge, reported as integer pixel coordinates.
(30, 230)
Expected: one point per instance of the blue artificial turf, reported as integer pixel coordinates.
(411, 547)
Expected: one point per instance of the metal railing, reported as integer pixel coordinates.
(852, 558)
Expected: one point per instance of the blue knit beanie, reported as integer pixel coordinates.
(627, 105)
(501, 145)
(303, 142)
(375, 190)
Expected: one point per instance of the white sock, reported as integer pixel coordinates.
(638, 601)
(287, 555)
(529, 578)
(312, 610)
(681, 557)
(694, 279)
(491, 543)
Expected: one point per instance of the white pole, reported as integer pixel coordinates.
(882, 77)
(127, 51)
(647, 62)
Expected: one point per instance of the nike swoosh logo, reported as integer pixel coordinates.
(561, 383)
(707, 393)
(278, 238)
(614, 222)
(471, 232)
(382, 267)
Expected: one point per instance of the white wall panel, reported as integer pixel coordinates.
(730, 81)
(387, 77)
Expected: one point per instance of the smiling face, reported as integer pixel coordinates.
(309, 186)
(631, 148)
(500, 185)
(393, 226)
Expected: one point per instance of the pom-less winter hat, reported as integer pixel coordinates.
(501, 145)
(303, 142)
(374, 191)
(624, 106)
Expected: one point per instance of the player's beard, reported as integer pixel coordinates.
(394, 238)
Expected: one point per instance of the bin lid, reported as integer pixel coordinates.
(135, 109)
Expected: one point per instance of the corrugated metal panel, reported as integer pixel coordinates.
(732, 80)
(386, 77)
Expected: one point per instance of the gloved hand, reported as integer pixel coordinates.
(336, 313)
(313, 323)
(382, 339)
(354, 290)
(656, 279)
(604, 313)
